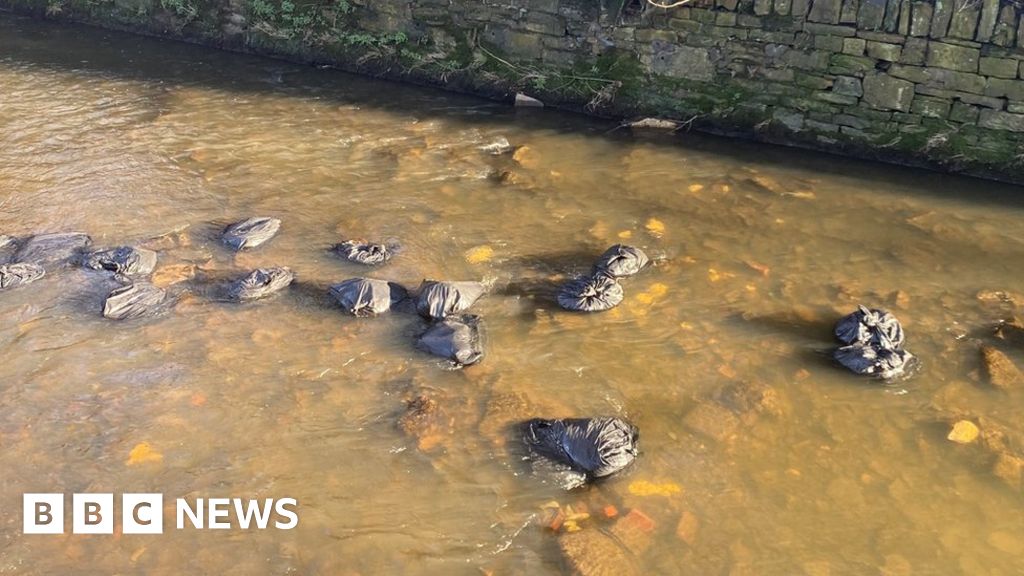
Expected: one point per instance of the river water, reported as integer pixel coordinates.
(758, 456)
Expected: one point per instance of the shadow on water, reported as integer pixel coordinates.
(159, 61)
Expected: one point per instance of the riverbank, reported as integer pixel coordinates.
(916, 83)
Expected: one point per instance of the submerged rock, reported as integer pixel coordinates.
(870, 360)
(501, 145)
(865, 326)
(14, 275)
(366, 296)
(425, 420)
(590, 447)
(457, 339)
(251, 232)
(439, 300)
(594, 553)
(590, 294)
(134, 301)
(52, 249)
(260, 283)
(999, 370)
(362, 252)
(620, 261)
(125, 260)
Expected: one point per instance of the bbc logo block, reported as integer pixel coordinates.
(93, 513)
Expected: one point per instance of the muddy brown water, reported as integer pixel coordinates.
(759, 249)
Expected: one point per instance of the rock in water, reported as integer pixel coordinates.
(876, 327)
(251, 232)
(260, 283)
(593, 553)
(620, 261)
(457, 339)
(438, 300)
(590, 294)
(125, 260)
(501, 145)
(362, 252)
(14, 275)
(366, 296)
(48, 250)
(524, 101)
(872, 360)
(596, 447)
(1000, 371)
(133, 301)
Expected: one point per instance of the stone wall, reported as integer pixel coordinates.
(929, 82)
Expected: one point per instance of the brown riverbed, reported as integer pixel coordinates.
(758, 455)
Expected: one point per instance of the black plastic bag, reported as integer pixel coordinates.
(865, 326)
(620, 261)
(590, 294)
(52, 249)
(125, 260)
(251, 232)
(366, 296)
(597, 447)
(457, 339)
(134, 301)
(14, 275)
(871, 360)
(439, 300)
(366, 253)
(260, 283)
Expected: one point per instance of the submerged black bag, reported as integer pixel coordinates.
(596, 446)
(366, 296)
(260, 283)
(457, 339)
(52, 249)
(876, 327)
(621, 260)
(134, 301)
(366, 253)
(126, 260)
(590, 294)
(438, 300)
(251, 232)
(14, 275)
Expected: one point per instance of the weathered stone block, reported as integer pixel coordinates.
(965, 113)
(854, 46)
(987, 21)
(850, 65)
(1015, 107)
(943, 13)
(902, 118)
(892, 15)
(848, 85)
(1000, 88)
(762, 7)
(844, 31)
(875, 36)
(999, 120)
(683, 62)
(914, 51)
(953, 57)
(791, 119)
(650, 35)
(826, 11)
(1006, 26)
(883, 51)
(886, 92)
(952, 80)
(984, 101)
(812, 81)
(930, 107)
(871, 14)
(813, 60)
(964, 23)
(920, 19)
(848, 15)
(834, 98)
(684, 25)
(728, 4)
(916, 74)
(829, 43)
(998, 67)
(904, 27)
(852, 121)
(777, 74)
(748, 21)
(725, 18)
(799, 8)
(782, 7)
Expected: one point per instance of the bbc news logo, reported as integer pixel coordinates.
(144, 513)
